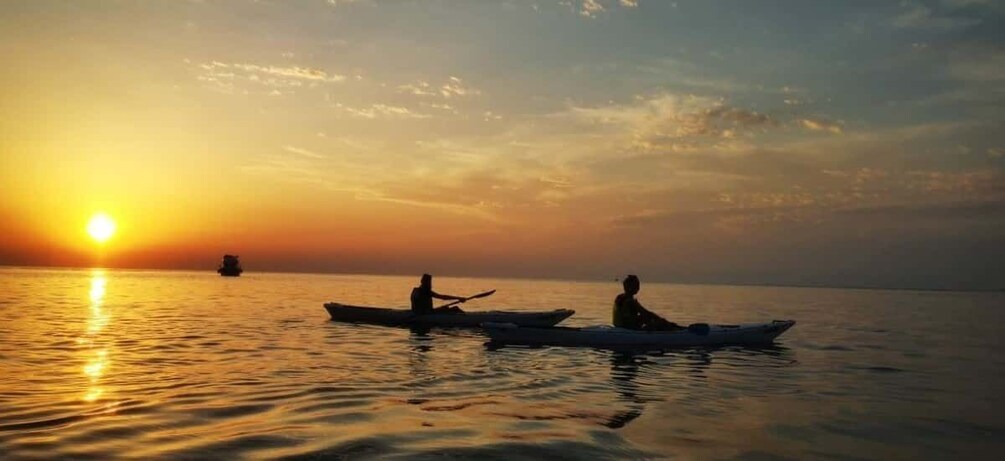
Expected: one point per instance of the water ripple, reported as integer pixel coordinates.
(110, 364)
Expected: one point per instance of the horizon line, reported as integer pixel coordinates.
(531, 278)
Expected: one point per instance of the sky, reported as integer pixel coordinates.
(854, 143)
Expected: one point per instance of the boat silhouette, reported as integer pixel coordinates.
(230, 266)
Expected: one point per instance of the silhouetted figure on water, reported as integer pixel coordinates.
(629, 313)
(230, 267)
(422, 298)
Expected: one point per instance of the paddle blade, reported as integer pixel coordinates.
(482, 295)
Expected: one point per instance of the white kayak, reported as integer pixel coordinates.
(386, 316)
(612, 337)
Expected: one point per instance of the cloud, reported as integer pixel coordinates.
(805, 179)
(665, 119)
(381, 111)
(351, 168)
(456, 87)
(489, 116)
(296, 72)
(445, 107)
(820, 125)
(452, 87)
(980, 182)
(966, 3)
(593, 8)
(224, 75)
(336, 3)
(288, 169)
(718, 220)
(303, 152)
(420, 88)
(817, 199)
(921, 17)
(293, 72)
(590, 8)
(693, 76)
(489, 194)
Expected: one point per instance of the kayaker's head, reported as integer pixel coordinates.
(426, 281)
(631, 284)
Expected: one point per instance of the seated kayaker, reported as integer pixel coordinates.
(629, 313)
(422, 298)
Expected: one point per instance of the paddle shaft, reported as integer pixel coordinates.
(479, 295)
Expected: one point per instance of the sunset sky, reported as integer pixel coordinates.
(791, 142)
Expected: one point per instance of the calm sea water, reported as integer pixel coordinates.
(183, 365)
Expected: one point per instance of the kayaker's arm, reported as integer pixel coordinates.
(645, 314)
(653, 319)
(448, 297)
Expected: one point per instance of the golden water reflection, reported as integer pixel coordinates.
(97, 361)
(98, 318)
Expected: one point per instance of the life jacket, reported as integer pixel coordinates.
(625, 314)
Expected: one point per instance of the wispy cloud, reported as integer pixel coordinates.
(452, 87)
(380, 111)
(691, 76)
(293, 72)
(456, 87)
(420, 88)
(666, 118)
(489, 194)
(304, 73)
(919, 16)
(446, 107)
(303, 152)
(226, 75)
(593, 8)
(337, 3)
(965, 3)
(825, 195)
(820, 125)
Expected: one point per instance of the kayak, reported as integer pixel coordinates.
(386, 316)
(612, 337)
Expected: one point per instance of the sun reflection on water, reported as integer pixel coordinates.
(96, 367)
(93, 393)
(98, 318)
(97, 362)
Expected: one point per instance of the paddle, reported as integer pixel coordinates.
(479, 295)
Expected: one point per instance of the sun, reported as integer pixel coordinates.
(101, 227)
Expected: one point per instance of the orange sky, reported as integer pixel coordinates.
(687, 141)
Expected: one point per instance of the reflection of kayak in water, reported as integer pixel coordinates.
(612, 337)
(385, 316)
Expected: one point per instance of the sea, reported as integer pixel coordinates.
(118, 364)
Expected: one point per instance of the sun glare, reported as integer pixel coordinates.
(101, 227)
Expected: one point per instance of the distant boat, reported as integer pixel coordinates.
(230, 267)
